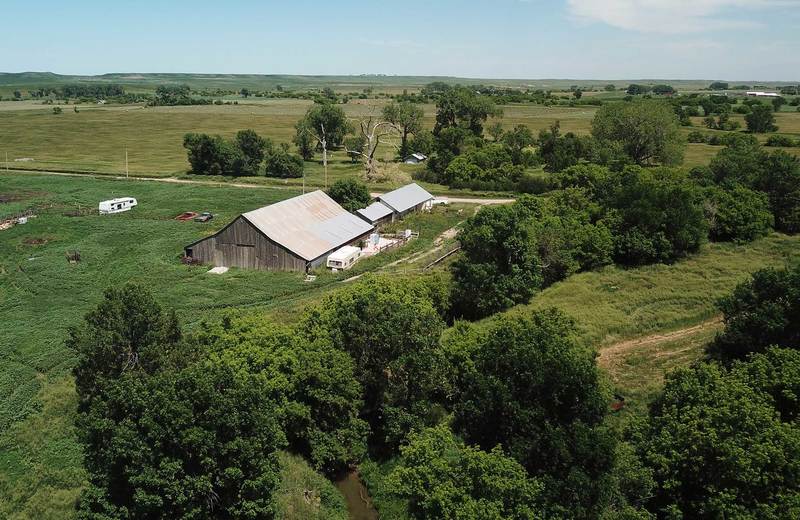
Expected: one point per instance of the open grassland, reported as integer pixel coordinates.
(95, 138)
(615, 304)
(42, 295)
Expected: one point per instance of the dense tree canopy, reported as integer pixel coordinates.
(312, 382)
(165, 434)
(464, 108)
(648, 131)
(658, 217)
(351, 194)
(408, 117)
(532, 389)
(761, 119)
(499, 267)
(760, 312)
(443, 478)
(391, 329)
(127, 332)
(718, 448)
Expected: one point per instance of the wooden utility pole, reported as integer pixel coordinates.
(126, 162)
(6, 162)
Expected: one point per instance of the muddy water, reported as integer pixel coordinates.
(359, 503)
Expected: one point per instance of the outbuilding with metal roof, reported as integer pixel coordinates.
(407, 199)
(292, 235)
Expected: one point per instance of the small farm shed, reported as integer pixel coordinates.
(376, 213)
(407, 199)
(296, 234)
(415, 158)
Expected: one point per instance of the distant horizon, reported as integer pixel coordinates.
(379, 75)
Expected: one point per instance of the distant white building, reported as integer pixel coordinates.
(117, 205)
(415, 158)
(758, 93)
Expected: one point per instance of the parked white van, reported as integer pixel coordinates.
(117, 205)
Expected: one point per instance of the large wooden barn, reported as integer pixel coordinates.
(296, 234)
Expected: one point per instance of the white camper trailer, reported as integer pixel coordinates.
(344, 258)
(117, 205)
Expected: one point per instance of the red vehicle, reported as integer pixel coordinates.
(187, 215)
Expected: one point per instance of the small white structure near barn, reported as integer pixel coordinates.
(344, 257)
(117, 205)
(758, 93)
(415, 158)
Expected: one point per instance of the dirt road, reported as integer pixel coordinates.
(614, 354)
(172, 180)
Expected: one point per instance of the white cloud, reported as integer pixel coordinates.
(671, 16)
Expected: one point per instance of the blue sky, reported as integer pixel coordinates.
(581, 39)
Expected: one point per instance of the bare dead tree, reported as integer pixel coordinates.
(374, 131)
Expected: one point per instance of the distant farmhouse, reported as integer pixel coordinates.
(396, 204)
(296, 234)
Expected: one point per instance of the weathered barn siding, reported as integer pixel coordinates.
(240, 244)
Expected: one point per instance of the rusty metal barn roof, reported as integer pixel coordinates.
(309, 225)
(405, 198)
(375, 211)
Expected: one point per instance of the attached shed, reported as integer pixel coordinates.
(376, 213)
(296, 234)
(407, 199)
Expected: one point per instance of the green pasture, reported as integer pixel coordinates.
(42, 295)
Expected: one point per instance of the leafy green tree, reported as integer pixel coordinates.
(197, 443)
(760, 120)
(422, 142)
(634, 89)
(517, 140)
(559, 152)
(760, 312)
(657, 217)
(391, 330)
(738, 214)
(283, 164)
(408, 118)
(534, 390)
(443, 478)
(326, 125)
(463, 107)
(718, 449)
(253, 148)
(355, 146)
(577, 94)
(499, 266)
(313, 382)
(780, 180)
(719, 85)
(568, 238)
(305, 142)
(351, 194)
(741, 161)
(648, 131)
(210, 155)
(128, 331)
